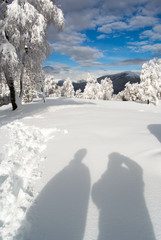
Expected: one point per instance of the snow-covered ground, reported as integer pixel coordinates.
(80, 170)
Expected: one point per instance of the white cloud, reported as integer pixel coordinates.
(70, 41)
(154, 34)
(66, 37)
(114, 7)
(69, 6)
(152, 8)
(135, 61)
(128, 7)
(140, 21)
(157, 28)
(106, 17)
(145, 47)
(123, 7)
(78, 53)
(138, 43)
(110, 27)
(86, 19)
(56, 67)
(152, 48)
(102, 36)
(92, 64)
(131, 23)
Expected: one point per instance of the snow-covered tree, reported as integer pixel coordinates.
(67, 90)
(4, 91)
(50, 84)
(32, 85)
(151, 80)
(91, 78)
(149, 88)
(79, 94)
(94, 90)
(51, 87)
(106, 88)
(130, 93)
(23, 43)
(56, 92)
(28, 92)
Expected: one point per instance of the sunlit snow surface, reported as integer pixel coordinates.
(80, 170)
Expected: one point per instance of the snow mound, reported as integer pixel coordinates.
(20, 159)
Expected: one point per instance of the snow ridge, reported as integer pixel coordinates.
(19, 160)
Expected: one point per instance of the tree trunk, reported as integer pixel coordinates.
(43, 94)
(21, 82)
(13, 96)
(11, 86)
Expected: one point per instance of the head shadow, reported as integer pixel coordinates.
(60, 210)
(155, 129)
(119, 196)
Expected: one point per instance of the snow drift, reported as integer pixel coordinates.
(99, 164)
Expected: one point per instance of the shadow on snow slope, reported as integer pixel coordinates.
(155, 129)
(119, 196)
(60, 210)
(7, 116)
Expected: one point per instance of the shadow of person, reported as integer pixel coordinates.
(155, 129)
(119, 196)
(59, 212)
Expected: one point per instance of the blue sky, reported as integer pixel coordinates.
(104, 36)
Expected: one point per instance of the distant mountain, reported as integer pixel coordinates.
(120, 79)
(49, 70)
(79, 85)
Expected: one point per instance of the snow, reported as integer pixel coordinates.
(133, 74)
(79, 169)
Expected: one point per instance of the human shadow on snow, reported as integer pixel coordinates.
(59, 212)
(119, 196)
(155, 129)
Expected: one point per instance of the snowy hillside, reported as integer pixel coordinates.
(120, 79)
(74, 169)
